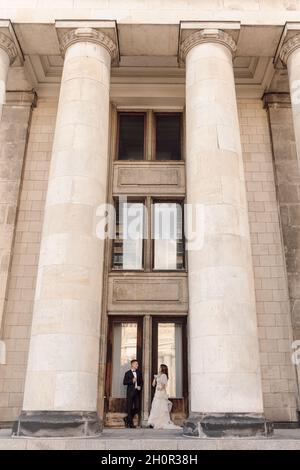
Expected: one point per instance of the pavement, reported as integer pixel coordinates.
(149, 439)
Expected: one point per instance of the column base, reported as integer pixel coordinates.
(227, 425)
(58, 424)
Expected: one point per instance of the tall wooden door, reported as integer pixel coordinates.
(125, 336)
(169, 346)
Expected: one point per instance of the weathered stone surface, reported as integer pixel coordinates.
(289, 200)
(13, 137)
(224, 425)
(22, 275)
(57, 424)
(152, 292)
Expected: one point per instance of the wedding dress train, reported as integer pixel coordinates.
(161, 406)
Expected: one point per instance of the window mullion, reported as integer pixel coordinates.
(149, 136)
(148, 240)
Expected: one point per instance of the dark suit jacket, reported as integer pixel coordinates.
(128, 381)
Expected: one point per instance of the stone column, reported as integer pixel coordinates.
(60, 395)
(225, 379)
(290, 56)
(8, 53)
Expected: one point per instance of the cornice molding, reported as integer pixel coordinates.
(289, 47)
(91, 35)
(9, 47)
(204, 36)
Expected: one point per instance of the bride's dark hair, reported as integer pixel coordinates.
(164, 369)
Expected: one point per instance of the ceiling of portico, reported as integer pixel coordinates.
(148, 53)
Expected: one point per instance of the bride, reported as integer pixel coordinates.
(161, 406)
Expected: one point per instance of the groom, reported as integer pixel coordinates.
(134, 381)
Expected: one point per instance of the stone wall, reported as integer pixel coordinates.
(288, 182)
(13, 138)
(272, 299)
(288, 185)
(21, 287)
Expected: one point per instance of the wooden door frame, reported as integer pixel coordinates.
(154, 354)
(112, 319)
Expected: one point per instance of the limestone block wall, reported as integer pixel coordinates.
(272, 297)
(13, 138)
(288, 180)
(273, 306)
(21, 286)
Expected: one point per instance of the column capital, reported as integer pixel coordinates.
(21, 98)
(8, 46)
(203, 36)
(288, 47)
(89, 35)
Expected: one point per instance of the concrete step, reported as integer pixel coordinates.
(149, 439)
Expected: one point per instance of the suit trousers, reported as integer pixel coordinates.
(133, 405)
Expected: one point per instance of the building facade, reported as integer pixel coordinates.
(179, 120)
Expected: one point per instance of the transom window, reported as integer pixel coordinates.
(149, 136)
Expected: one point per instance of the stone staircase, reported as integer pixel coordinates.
(148, 439)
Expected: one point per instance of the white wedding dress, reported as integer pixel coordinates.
(161, 406)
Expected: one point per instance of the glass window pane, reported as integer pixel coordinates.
(124, 350)
(170, 353)
(168, 236)
(128, 244)
(168, 137)
(131, 136)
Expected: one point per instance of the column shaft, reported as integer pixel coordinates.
(62, 371)
(224, 355)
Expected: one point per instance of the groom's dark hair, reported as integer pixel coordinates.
(133, 360)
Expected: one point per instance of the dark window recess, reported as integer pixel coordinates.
(131, 136)
(168, 136)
